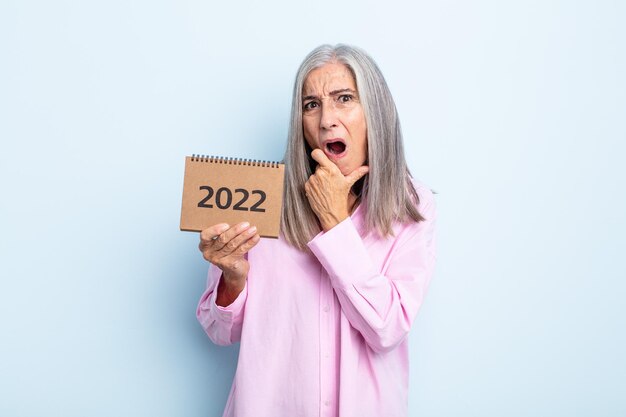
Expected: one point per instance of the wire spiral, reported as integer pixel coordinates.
(234, 161)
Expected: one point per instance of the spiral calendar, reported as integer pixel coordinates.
(232, 190)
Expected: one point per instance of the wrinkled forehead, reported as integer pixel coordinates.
(329, 77)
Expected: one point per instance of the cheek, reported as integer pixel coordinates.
(359, 131)
(363, 156)
(362, 144)
(355, 118)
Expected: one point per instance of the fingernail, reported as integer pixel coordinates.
(223, 227)
(252, 230)
(244, 225)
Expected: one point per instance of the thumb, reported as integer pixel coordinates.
(357, 174)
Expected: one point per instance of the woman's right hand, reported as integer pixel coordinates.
(225, 247)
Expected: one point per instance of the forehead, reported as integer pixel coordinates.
(329, 77)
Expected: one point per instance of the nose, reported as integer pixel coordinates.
(329, 117)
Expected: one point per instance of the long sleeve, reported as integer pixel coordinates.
(380, 302)
(221, 324)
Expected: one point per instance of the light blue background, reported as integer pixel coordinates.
(514, 111)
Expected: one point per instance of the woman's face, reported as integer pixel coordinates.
(333, 118)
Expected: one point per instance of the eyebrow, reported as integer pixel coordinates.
(332, 93)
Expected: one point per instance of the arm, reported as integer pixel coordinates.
(221, 324)
(221, 307)
(380, 305)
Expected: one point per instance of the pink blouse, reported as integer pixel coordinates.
(325, 333)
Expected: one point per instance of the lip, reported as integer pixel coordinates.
(331, 155)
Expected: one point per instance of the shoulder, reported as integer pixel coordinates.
(426, 207)
(426, 197)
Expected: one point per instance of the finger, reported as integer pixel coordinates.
(320, 157)
(309, 191)
(357, 174)
(228, 235)
(235, 243)
(249, 244)
(211, 233)
(233, 261)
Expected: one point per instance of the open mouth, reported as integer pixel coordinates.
(336, 147)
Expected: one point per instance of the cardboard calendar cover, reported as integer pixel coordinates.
(230, 190)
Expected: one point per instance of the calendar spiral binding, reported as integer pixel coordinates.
(234, 161)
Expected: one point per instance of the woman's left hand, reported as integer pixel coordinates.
(328, 189)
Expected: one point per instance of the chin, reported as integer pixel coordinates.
(346, 170)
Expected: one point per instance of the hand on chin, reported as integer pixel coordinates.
(327, 190)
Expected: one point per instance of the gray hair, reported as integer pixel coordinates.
(386, 191)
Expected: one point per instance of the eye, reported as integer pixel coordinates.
(344, 98)
(310, 105)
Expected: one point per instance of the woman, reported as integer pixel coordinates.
(323, 312)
